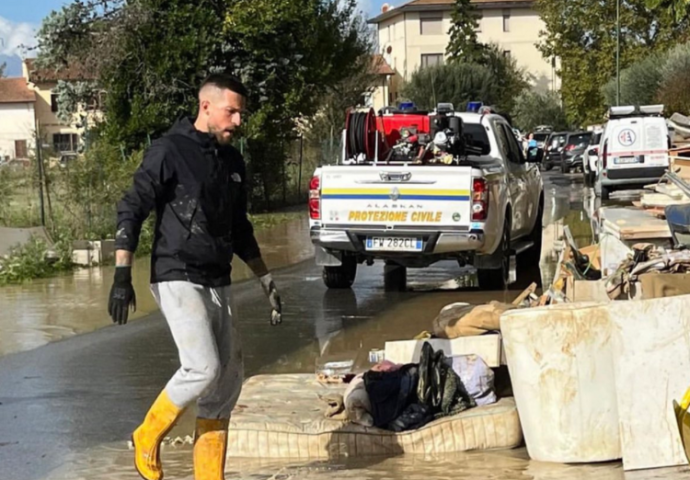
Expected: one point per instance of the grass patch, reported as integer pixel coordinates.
(263, 221)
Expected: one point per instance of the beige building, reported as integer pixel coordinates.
(416, 34)
(17, 119)
(63, 137)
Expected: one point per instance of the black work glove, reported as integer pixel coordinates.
(274, 297)
(122, 296)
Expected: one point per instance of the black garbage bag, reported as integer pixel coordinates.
(439, 387)
(390, 393)
(415, 416)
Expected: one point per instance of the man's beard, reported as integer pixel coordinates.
(219, 134)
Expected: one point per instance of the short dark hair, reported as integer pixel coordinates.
(225, 81)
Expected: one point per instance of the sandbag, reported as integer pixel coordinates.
(463, 320)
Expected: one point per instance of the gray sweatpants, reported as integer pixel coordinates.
(212, 370)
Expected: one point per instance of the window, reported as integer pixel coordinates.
(430, 23)
(20, 150)
(506, 20)
(97, 102)
(506, 53)
(502, 141)
(475, 135)
(513, 146)
(432, 59)
(53, 102)
(65, 142)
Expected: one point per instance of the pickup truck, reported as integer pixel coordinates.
(481, 210)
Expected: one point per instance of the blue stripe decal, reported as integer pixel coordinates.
(457, 198)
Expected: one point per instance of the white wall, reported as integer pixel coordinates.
(16, 123)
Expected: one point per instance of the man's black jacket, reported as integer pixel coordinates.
(197, 189)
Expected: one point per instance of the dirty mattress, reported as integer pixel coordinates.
(281, 416)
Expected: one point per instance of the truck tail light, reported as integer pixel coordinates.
(315, 198)
(480, 199)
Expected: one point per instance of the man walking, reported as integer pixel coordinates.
(195, 181)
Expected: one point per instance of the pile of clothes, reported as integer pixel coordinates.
(407, 397)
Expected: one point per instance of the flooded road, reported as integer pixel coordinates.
(78, 401)
(45, 310)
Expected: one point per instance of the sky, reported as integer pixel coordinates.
(20, 19)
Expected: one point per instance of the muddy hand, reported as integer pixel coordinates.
(274, 297)
(122, 296)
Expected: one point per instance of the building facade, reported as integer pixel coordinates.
(416, 34)
(63, 137)
(17, 119)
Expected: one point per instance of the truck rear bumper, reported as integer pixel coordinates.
(434, 243)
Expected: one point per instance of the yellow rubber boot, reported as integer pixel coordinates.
(148, 437)
(210, 445)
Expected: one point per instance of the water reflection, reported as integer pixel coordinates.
(46, 310)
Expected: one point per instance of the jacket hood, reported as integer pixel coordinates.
(185, 127)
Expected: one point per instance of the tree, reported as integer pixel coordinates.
(463, 44)
(497, 81)
(3, 66)
(511, 79)
(534, 108)
(674, 87)
(639, 83)
(457, 83)
(325, 126)
(582, 34)
(678, 8)
(150, 56)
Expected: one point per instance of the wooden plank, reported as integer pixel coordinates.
(660, 200)
(526, 293)
(633, 224)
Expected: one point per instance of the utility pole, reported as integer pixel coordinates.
(39, 162)
(618, 52)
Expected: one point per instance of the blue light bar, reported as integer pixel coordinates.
(474, 107)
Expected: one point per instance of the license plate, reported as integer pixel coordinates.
(392, 244)
(626, 160)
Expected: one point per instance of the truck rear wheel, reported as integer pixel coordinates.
(497, 278)
(605, 193)
(394, 277)
(342, 276)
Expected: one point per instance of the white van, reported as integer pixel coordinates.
(633, 149)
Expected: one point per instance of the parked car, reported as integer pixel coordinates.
(634, 148)
(541, 138)
(553, 150)
(575, 147)
(590, 158)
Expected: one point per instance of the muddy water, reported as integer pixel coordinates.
(46, 310)
(345, 325)
(114, 463)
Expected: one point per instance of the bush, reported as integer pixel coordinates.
(457, 83)
(494, 80)
(30, 260)
(534, 108)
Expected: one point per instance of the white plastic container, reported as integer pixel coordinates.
(561, 367)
